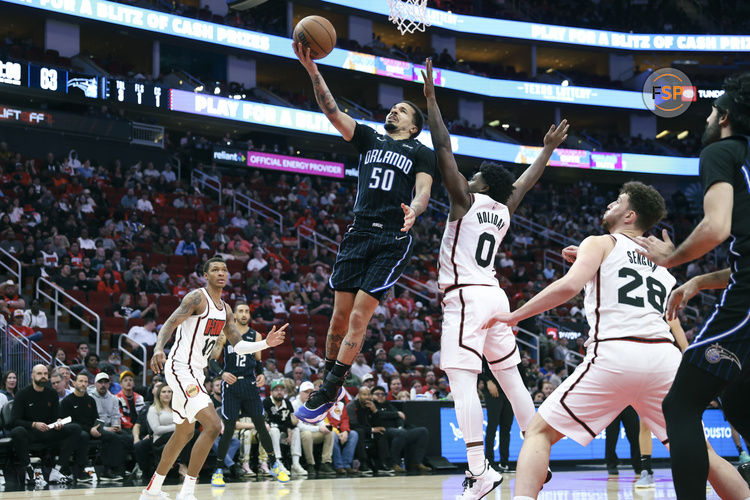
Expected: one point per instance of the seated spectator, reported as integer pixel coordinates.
(82, 350)
(18, 327)
(130, 401)
(57, 383)
(160, 416)
(443, 389)
(394, 387)
(345, 439)
(430, 383)
(319, 305)
(360, 368)
(401, 321)
(397, 439)
(107, 403)
(422, 357)
(108, 284)
(277, 282)
(114, 363)
(272, 371)
(265, 313)
(277, 302)
(279, 413)
(83, 411)
(298, 307)
(257, 262)
(144, 204)
(186, 246)
(9, 384)
(59, 356)
(180, 289)
(34, 318)
(312, 434)
(398, 351)
(35, 419)
(91, 366)
(139, 338)
(9, 299)
(65, 278)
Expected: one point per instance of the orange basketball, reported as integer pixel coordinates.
(317, 33)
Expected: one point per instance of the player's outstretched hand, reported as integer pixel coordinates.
(157, 361)
(655, 249)
(679, 298)
(429, 85)
(303, 54)
(570, 253)
(276, 337)
(409, 217)
(556, 135)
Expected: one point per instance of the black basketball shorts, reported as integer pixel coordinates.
(722, 347)
(243, 396)
(371, 260)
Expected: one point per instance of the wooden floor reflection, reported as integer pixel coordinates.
(574, 485)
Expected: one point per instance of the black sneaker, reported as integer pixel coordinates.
(326, 470)
(364, 470)
(612, 470)
(236, 471)
(310, 471)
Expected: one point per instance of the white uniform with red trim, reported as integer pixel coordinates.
(472, 293)
(631, 358)
(183, 371)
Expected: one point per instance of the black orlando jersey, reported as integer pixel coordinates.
(240, 365)
(387, 174)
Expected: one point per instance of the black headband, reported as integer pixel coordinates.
(728, 102)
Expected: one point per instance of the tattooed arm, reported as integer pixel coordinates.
(344, 123)
(193, 303)
(275, 337)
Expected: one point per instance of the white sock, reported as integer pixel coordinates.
(154, 486)
(188, 487)
(295, 459)
(512, 385)
(476, 460)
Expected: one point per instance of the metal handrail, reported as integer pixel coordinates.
(207, 182)
(17, 271)
(133, 357)
(259, 208)
(534, 348)
(19, 362)
(539, 229)
(58, 291)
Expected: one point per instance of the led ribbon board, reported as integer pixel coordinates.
(563, 34)
(309, 121)
(159, 22)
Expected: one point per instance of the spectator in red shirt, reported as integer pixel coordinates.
(108, 284)
(395, 387)
(344, 438)
(130, 401)
(9, 300)
(25, 331)
(180, 289)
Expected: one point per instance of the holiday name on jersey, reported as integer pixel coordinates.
(636, 258)
(399, 161)
(491, 218)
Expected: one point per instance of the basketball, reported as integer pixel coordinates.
(317, 33)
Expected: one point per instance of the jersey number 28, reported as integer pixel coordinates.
(656, 293)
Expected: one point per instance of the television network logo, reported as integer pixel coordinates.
(668, 92)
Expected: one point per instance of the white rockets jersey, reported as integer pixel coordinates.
(197, 335)
(628, 296)
(467, 252)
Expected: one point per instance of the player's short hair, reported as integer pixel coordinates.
(418, 117)
(646, 202)
(210, 261)
(240, 303)
(499, 180)
(737, 99)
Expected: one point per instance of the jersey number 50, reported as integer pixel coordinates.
(384, 182)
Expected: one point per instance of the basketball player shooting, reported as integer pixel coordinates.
(200, 319)
(377, 247)
(631, 359)
(480, 211)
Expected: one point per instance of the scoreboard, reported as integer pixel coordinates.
(63, 81)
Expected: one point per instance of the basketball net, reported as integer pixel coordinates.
(409, 15)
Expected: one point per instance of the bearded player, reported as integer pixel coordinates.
(480, 211)
(377, 247)
(200, 319)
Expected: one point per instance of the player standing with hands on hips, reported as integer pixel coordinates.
(377, 247)
(480, 211)
(200, 319)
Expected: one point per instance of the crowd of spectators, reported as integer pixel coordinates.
(94, 227)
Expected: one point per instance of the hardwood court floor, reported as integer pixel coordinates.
(576, 485)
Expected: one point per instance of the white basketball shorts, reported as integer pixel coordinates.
(613, 375)
(465, 338)
(188, 394)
